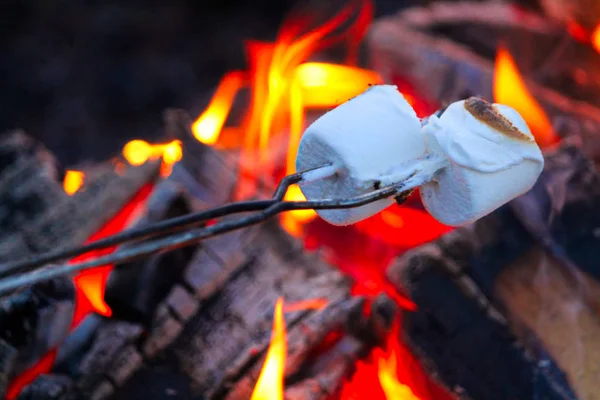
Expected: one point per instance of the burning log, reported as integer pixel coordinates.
(40, 216)
(210, 313)
(408, 48)
(524, 270)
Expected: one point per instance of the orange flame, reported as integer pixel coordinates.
(207, 128)
(510, 89)
(283, 88)
(310, 304)
(595, 38)
(73, 181)
(269, 385)
(391, 373)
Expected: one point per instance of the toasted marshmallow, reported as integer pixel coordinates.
(366, 139)
(492, 158)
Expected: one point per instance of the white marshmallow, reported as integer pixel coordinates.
(492, 158)
(367, 138)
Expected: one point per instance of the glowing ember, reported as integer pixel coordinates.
(270, 381)
(137, 152)
(578, 32)
(510, 89)
(73, 181)
(29, 375)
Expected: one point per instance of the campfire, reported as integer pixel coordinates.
(396, 306)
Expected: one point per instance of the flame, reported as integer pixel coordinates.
(284, 86)
(391, 373)
(73, 181)
(293, 221)
(595, 38)
(26, 377)
(311, 304)
(269, 385)
(90, 289)
(510, 89)
(137, 152)
(387, 371)
(207, 128)
(91, 284)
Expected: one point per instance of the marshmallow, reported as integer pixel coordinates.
(371, 136)
(492, 158)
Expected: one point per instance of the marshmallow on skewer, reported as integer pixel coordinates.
(492, 158)
(363, 139)
(471, 160)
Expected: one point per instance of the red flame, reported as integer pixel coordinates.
(91, 284)
(90, 287)
(26, 377)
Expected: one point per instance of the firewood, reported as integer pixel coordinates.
(546, 298)
(28, 190)
(481, 278)
(213, 322)
(39, 215)
(406, 46)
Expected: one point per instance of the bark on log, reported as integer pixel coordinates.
(488, 274)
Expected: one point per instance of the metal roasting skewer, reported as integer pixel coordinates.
(22, 273)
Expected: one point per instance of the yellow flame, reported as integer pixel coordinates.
(73, 181)
(388, 378)
(137, 152)
(510, 89)
(321, 85)
(269, 385)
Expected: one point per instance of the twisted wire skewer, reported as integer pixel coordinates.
(37, 269)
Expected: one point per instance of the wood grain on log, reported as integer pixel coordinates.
(545, 297)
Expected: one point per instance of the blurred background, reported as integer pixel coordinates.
(87, 76)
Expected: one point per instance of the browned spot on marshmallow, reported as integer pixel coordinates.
(489, 115)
